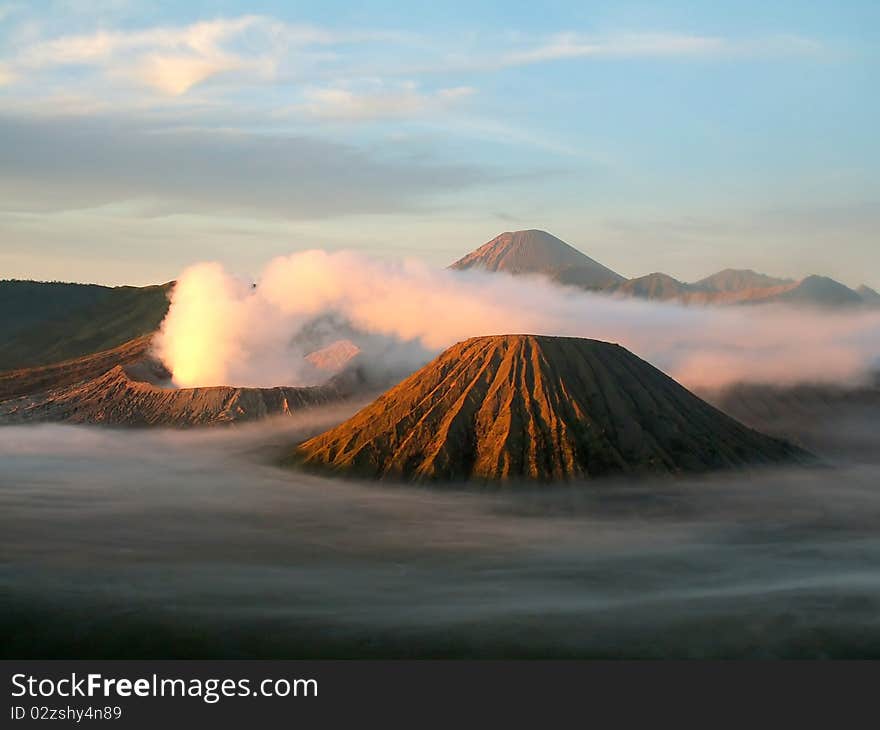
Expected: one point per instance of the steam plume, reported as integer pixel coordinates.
(222, 330)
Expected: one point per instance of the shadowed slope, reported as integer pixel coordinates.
(835, 421)
(525, 406)
(44, 323)
(869, 296)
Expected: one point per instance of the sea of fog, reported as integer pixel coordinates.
(195, 544)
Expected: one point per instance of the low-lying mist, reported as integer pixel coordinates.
(184, 544)
(221, 330)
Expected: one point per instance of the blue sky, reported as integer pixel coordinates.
(136, 138)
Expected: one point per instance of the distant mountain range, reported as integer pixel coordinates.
(514, 407)
(540, 253)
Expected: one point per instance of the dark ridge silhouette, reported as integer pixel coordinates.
(836, 421)
(48, 322)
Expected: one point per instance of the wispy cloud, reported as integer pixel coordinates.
(574, 45)
(169, 59)
(380, 101)
(174, 59)
(571, 45)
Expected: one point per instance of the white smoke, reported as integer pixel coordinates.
(222, 330)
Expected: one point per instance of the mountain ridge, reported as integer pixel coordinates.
(121, 396)
(50, 322)
(728, 280)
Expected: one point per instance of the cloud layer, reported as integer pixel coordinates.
(59, 164)
(122, 543)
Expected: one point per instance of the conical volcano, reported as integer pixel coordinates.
(538, 252)
(543, 408)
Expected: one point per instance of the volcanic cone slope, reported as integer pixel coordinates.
(118, 398)
(543, 408)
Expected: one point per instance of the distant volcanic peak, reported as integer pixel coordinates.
(335, 356)
(655, 286)
(736, 280)
(542, 408)
(820, 291)
(522, 251)
(538, 252)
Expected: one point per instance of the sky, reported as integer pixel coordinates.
(137, 138)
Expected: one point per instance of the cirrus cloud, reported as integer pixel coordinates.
(405, 100)
(169, 59)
